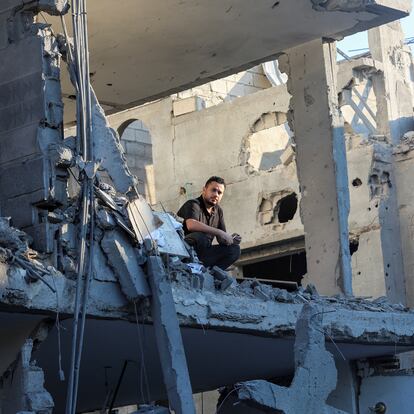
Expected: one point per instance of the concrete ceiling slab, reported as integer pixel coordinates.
(141, 50)
(215, 358)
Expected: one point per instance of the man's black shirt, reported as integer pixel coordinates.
(196, 209)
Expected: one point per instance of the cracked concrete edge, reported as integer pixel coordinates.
(383, 11)
(221, 311)
(315, 373)
(216, 310)
(169, 340)
(349, 6)
(25, 379)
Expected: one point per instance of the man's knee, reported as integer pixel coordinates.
(198, 240)
(234, 252)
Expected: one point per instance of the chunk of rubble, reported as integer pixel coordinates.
(12, 238)
(406, 144)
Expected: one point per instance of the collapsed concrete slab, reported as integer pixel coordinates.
(122, 258)
(315, 374)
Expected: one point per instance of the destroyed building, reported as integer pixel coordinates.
(101, 305)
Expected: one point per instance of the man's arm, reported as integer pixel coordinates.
(195, 225)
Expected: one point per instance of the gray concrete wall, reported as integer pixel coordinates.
(31, 116)
(137, 143)
(189, 148)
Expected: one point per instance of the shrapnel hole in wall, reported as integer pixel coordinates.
(287, 207)
(356, 182)
(353, 246)
(275, 209)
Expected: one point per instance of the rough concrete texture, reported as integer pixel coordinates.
(315, 374)
(220, 51)
(345, 395)
(137, 143)
(229, 126)
(229, 88)
(31, 117)
(122, 258)
(23, 390)
(169, 341)
(322, 166)
(403, 169)
(397, 95)
(109, 150)
(255, 194)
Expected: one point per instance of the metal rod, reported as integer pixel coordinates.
(118, 385)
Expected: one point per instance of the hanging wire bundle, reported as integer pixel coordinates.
(85, 152)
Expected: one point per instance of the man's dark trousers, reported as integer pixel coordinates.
(213, 255)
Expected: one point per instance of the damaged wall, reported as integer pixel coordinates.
(23, 391)
(32, 183)
(137, 143)
(226, 89)
(239, 128)
(251, 192)
(404, 168)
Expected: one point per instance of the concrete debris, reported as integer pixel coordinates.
(255, 289)
(169, 236)
(406, 144)
(109, 150)
(53, 7)
(105, 220)
(122, 258)
(224, 280)
(315, 374)
(12, 238)
(61, 155)
(142, 218)
(25, 390)
(115, 214)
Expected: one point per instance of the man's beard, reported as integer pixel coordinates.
(208, 203)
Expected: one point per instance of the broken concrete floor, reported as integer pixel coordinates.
(251, 315)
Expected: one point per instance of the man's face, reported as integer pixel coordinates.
(212, 193)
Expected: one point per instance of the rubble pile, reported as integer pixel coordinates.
(206, 279)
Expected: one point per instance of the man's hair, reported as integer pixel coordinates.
(216, 179)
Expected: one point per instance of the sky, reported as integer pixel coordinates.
(360, 40)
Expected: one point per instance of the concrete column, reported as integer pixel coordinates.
(321, 164)
(344, 396)
(393, 87)
(169, 341)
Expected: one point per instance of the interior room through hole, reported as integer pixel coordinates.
(291, 267)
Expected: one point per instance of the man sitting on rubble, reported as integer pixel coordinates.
(203, 220)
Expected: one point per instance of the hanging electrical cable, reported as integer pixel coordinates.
(80, 62)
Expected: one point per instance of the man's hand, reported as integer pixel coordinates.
(225, 238)
(236, 238)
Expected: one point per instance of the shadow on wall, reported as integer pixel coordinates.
(137, 143)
